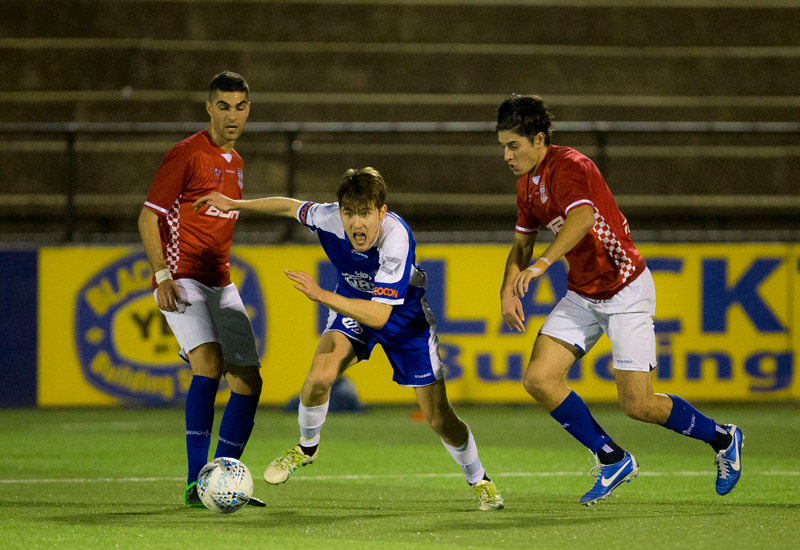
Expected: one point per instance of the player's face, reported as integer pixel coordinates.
(362, 225)
(520, 152)
(228, 112)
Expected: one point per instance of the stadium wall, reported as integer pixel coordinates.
(80, 326)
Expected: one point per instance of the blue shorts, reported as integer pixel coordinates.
(412, 352)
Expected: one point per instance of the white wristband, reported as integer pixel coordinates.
(545, 260)
(162, 275)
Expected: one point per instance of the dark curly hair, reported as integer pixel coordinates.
(526, 115)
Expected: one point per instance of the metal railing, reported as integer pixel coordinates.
(292, 131)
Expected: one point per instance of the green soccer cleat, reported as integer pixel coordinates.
(190, 496)
(282, 468)
(487, 495)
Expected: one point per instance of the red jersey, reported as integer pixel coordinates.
(605, 260)
(196, 245)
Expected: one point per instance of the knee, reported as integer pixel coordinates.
(317, 386)
(245, 381)
(321, 377)
(536, 382)
(254, 382)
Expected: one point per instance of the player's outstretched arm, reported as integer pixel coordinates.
(366, 312)
(275, 206)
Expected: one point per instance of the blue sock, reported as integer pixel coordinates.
(199, 420)
(574, 416)
(236, 425)
(686, 420)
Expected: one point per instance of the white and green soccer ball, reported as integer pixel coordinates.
(224, 485)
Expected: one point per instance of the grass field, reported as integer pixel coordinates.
(96, 478)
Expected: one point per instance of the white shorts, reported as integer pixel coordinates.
(216, 314)
(627, 319)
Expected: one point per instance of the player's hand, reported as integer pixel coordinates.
(306, 284)
(215, 199)
(168, 297)
(525, 276)
(513, 314)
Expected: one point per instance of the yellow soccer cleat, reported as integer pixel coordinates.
(487, 495)
(282, 468)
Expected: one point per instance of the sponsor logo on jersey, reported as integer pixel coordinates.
(383, 291)
(303, 214)
(216, 212)
(555, 224)
(124, 344)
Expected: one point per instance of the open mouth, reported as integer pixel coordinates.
(359, 238)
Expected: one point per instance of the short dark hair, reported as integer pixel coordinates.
(360, 188)
(228, 81)
(526, 115)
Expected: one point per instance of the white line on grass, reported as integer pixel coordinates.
(367, 477)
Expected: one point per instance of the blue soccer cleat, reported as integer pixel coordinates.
(610, 477)
(729, 462)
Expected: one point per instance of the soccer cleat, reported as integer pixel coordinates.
(729, 462)
(190, 496)
(487, 495)
(281, 469)
(255, 502)
(610, 477)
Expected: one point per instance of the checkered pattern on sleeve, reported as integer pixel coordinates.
(173, 220)
(612, 246)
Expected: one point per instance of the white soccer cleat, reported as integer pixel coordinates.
(281, 469)
(487, 495)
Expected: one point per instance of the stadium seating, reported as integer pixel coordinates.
(132, 61)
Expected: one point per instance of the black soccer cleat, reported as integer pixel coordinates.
(191, 498)
(255, 502)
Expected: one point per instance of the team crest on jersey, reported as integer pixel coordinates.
(124, 344)
(216, 176)
(360, 281)
(240, 175)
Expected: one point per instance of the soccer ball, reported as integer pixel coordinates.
(224, 485)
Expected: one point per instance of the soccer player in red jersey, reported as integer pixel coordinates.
(189, 254)
(609, 290)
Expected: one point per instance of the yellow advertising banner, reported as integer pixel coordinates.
(726, 325)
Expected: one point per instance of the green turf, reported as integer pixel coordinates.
(404, 491)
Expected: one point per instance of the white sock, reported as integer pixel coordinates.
(466, 456)
(311, 420)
